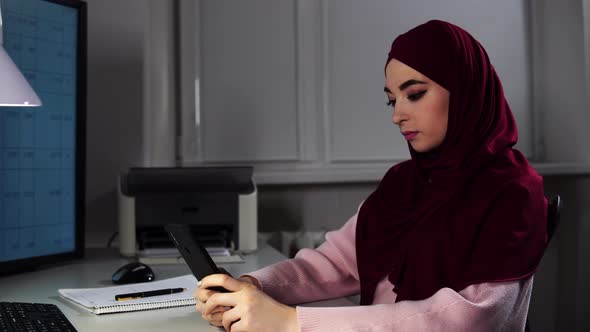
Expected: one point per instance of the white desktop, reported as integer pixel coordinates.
(95, 270)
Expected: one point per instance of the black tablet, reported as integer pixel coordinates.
(194, 254)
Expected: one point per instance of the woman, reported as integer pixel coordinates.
(449, 240)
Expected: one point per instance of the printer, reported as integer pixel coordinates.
(220, 203)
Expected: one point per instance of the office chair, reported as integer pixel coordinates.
(554, 205)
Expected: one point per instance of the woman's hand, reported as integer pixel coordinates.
(249, 308)
(202, 295)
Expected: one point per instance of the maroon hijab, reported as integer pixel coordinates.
(471, 211)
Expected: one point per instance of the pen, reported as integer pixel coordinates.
(139, 295)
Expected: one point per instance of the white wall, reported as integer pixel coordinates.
(114, 121)
(559, 76)
(300, 91)
(561, 100)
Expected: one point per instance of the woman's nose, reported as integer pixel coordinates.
(398, 116)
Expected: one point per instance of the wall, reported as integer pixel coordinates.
(114, 127)
(329, 92)
(115, 102)
(562, 102)
(561, 284)
(559, 75)
(309, 207)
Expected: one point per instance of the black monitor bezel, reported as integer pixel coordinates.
(26, 264)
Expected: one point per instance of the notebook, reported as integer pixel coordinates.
(102, 300)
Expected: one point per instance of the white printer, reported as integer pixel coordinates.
(219, 202)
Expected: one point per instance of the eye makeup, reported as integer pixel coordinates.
(413, 96)
(416, 96)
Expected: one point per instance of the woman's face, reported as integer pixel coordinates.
(420, 106)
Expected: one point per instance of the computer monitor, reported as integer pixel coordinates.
(42, 149)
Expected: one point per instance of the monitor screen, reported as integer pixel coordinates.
(42, 148)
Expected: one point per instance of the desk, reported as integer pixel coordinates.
(95, 270)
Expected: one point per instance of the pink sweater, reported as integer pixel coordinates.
(330, 271)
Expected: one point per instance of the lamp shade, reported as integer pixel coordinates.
(14, 88)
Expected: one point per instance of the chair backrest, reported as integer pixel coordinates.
(554, 205)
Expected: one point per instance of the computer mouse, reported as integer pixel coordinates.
(132, 273)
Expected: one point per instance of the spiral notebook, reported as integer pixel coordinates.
(102, 300)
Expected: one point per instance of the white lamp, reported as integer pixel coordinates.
(14, 88)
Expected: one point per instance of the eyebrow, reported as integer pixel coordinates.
(404, 85)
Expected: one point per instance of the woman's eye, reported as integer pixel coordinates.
(391, 103)
(416, 96)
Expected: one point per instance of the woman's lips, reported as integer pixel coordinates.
(410, 135)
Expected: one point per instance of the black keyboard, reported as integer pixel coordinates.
(30, 317)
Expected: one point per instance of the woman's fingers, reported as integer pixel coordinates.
(215, 315)
(217, 307)
(238, 326)
(202, 294)
(217, 323)
(215, 318)
(230, 317)
(223, 280)
(250, 280)
(220, 300)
